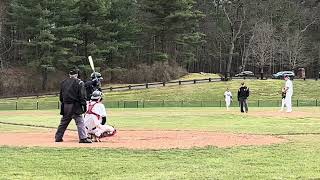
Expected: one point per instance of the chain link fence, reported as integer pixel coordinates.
(48, 105)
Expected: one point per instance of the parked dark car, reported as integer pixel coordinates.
(281, 74)
(245, 74)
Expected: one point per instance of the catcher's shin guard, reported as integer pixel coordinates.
(94, 138)
(108, 134)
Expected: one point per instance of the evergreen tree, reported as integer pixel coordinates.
(65, 18)
(170, 26)
(33, 31)
(124, 37)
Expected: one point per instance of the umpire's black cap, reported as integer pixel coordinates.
(74, 71)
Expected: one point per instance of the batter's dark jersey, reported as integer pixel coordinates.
(91, 86)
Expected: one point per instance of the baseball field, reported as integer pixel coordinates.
(169, 143)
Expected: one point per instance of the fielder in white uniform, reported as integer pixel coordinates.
(289, 93)
(228, 98)
(95, 118)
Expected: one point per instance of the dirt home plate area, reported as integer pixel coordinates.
(155, 139)
(142, 140)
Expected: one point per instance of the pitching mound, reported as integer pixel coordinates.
(142, 140)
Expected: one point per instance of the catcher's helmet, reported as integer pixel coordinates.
(96, 95)
(96, 75)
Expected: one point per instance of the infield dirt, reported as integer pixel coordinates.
(143, 140)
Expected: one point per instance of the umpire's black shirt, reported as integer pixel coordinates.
(243, 92)
(72, 91)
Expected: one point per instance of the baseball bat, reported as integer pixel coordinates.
(91, 63)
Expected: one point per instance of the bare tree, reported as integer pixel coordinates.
(3, 48)
(293, 46)
(262, 45)
(295, 39)
(6, 41)
(234, 12)
(6, 44)
(246, 52)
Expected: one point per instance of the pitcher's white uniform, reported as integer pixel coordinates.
(289, 93)
(228, 97)
(283, 94)
(93, 119)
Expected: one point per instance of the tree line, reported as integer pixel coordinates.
(161, 37)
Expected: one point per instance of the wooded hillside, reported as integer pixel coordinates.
(147, 40)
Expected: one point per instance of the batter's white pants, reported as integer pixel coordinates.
(288, 103)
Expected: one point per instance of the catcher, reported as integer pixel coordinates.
(95, 119)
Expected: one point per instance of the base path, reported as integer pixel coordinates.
(142, 140)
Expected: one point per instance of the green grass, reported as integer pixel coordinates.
(192, 76)
(286, 161)
(206, 119)
(14, 128)
(260, 90)
(296, 159)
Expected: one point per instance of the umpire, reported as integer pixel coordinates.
(73, 105)
(243, 94)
